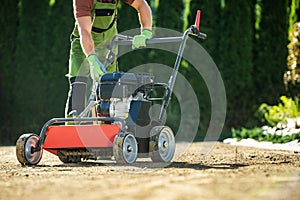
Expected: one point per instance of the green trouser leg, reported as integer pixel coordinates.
(76, 98)
(79, 67)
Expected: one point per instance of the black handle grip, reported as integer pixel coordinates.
(200, 35)
(197, 33)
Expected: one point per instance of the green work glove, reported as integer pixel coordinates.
(140, 40)
(96, 67)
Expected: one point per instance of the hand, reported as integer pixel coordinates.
(140, 40)
(96, 67)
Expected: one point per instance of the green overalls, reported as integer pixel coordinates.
(104, 27)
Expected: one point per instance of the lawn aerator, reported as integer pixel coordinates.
(121, 126)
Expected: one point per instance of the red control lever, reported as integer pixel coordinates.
(197, 21)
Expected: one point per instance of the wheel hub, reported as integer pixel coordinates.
(165, 145)
(129, 148)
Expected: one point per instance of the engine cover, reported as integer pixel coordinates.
(123, 85)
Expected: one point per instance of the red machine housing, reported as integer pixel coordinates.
(80, 136)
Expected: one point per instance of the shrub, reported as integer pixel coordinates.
(287, 108)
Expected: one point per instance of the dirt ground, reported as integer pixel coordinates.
(226, 172)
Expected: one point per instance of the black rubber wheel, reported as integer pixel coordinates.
(24, 146)
(125, 149)
(162, 144)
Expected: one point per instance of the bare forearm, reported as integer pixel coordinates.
(87, 43)
(145, 15)
(86, 40)
(145, 18)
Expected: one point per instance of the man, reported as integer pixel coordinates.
(95, 23)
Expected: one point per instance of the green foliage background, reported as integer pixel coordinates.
(246, 39)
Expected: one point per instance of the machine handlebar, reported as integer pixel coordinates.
(127, 40)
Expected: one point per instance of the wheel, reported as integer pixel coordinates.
(68, 159)
(125, 148)
(24, 146)
(162, 144)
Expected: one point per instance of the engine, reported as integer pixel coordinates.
(119, 92)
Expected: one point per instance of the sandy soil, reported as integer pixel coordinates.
(227, 172)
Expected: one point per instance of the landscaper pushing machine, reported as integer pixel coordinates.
(95, 23)
(124, 103)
